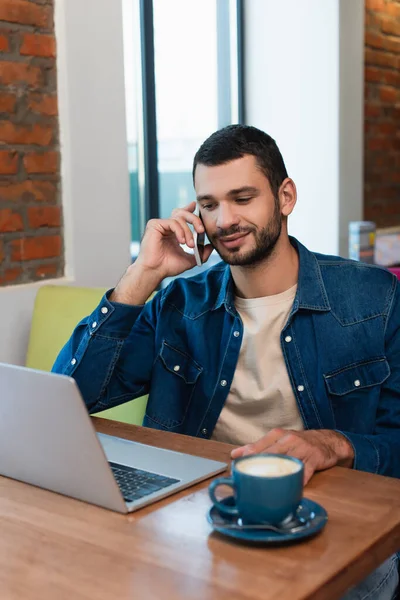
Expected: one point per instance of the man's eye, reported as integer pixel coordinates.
(243, 199)
(207, 206)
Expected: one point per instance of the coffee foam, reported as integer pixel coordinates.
(267, 466)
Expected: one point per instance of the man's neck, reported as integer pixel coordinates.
(273, 276)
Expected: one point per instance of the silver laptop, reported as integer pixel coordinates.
(47, 439)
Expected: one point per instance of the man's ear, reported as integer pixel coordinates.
(287, 196)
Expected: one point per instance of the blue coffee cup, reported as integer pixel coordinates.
(268, 488)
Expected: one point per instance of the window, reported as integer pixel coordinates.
(183, 81)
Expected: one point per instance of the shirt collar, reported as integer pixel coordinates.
(311, 293)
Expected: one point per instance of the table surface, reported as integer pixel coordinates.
(53, 547)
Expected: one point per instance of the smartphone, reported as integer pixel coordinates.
(199, 241)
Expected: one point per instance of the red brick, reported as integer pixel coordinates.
(34, 248)
(43, 104)
(10, 221)
(1, 251)
(13, 73)
(381, 59)
(35, 44)
(392, 9)
(372, 20)
(8, 162)
(375, 4)
(380, 161)
(48, 216)
(391, 78)
(4, 45)
(46, 162)
(379, 144)
(390, 26)
(373, 74)
(15, 134)
(388, 95)
(387, 128)
(25, 13)
(7, 102)
(374, 40)
(388, 193)
(10, 275)
(28, 191)
(372, 111)
(44, 271)
(392, 45)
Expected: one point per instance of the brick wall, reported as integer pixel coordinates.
(30, 214)
(382, 112)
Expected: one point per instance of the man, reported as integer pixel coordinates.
(276, 349)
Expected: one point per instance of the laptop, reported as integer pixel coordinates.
(47, 439)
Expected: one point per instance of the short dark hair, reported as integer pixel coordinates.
(235, 141)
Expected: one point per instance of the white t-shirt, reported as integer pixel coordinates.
(261, 396)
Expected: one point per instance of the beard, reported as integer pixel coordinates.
(265, 242)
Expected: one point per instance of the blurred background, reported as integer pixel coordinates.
(103, 104)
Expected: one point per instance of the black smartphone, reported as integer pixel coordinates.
(199, 241)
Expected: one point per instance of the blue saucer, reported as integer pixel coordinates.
(314, 515)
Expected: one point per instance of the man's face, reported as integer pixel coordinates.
(242, 218)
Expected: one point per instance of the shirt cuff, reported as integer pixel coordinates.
(112, 318)
(366, 454)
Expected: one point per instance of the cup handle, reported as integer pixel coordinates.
(227, 510)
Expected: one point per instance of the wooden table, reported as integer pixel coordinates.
(52, 547)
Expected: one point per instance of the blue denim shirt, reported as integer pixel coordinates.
(341, 346)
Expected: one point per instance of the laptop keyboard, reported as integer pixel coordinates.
(135, 484)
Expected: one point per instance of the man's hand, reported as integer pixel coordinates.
(318, 449)
(161, 255)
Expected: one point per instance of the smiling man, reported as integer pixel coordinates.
(276, 349)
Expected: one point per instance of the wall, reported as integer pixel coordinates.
(30, 212)
(304, 86)
(94, 168)
(382, 112)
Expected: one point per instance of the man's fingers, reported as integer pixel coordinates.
(239, 452)
(261, 445)
(267, 441)
(182, 214)
(175, 227)
(189, 240)
(308, 472)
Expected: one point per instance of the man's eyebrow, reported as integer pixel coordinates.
(205, 197)
(247, 189)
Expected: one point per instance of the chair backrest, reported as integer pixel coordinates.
(57, 311)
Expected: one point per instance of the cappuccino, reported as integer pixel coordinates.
(267, 466)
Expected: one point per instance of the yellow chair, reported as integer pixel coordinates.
(57, 311)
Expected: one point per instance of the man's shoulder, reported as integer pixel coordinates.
(356, 283)
(199, 293)
(337, 266)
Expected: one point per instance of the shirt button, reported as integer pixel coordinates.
(300, 388)
(204, 431)
(223, 382)
(357, 383)
(176, 368)
(288, 338)
(94, 324)
(236, 333)
(104, 310)
(73, 361)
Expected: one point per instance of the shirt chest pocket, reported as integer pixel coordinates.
(179, 364)
(354, 393)
(174, 379)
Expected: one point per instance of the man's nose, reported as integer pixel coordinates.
(226, 216)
